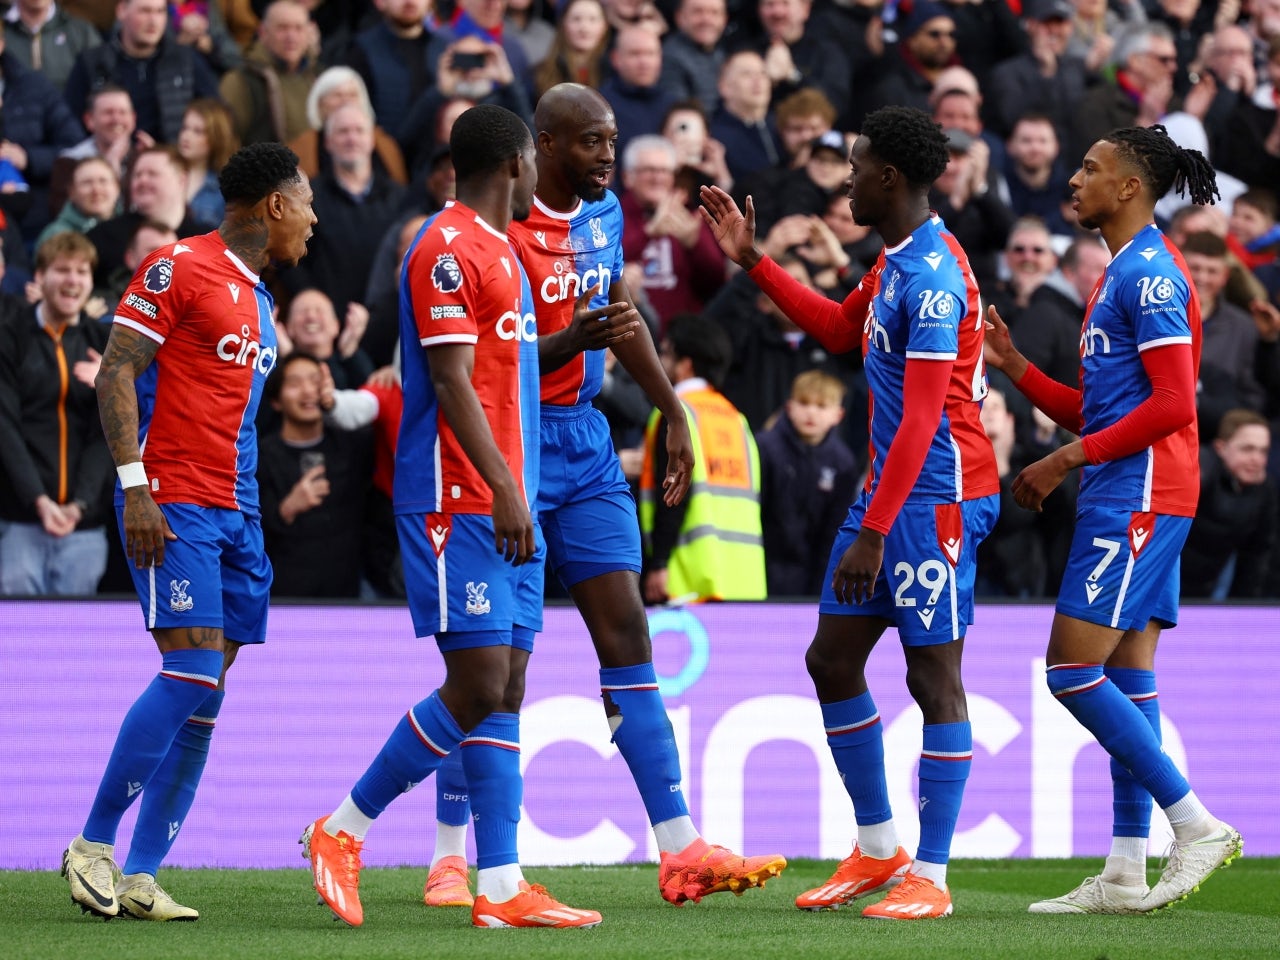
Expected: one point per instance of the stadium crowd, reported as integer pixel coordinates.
(116, 118)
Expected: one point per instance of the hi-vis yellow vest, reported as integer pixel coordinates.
(720, 552)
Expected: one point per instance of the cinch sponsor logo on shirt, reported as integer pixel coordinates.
(244, 351)
(877, 334)
(1091, 337)
(514, 326)
(450, 311)
(567, 285)
(141, 305)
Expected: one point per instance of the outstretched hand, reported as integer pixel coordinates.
(998, 350)
(734, 230)
(600, 327)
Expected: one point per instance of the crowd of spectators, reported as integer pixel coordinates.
(115, 118)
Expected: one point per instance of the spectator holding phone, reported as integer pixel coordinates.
(471, 70)
(312, 481)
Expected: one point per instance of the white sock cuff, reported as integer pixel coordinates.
(879, 840)
(348, 818)
(1131, 849)
(675, 834)
(451, 841)
(935, 873)
(499, 884)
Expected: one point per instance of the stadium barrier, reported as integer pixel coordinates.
(306, 713)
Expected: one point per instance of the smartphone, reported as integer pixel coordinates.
(462, 62)
(308, 460)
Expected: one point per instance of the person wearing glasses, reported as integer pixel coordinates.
(1145, 60)
(926, 46)
(1030, 259)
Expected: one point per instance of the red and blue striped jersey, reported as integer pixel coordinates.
(463, 284)
(924, 304)
(212, 317)
(565, 254)
(1145, 299)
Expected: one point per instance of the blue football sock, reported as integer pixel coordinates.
(645, 739)
(1131, 803)
(185, 680)
(856, 738)
(1119, 726)
(452, 802)
(421, 740)
(172, 790)
(491, 758)
(944, 769)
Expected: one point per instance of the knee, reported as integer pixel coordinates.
(622, 638)
(834, 677)
(817, 663)
(513, 695)
(939, 694)
(477, 698)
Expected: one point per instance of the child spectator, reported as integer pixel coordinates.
(807, 481)
(1252, 232)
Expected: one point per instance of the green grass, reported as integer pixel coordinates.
(272, 914)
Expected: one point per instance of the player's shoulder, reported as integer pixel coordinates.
(452, 246)
(530, 231)
(602, 217)
(928, 259)
(1149, 270)
(608, 205)
(185, 262)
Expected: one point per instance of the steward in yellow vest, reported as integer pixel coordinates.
(709, 547)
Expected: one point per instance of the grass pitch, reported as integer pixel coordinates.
(272, 914)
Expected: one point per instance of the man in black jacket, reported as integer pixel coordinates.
(1049, 327)
(34, 125)
(56, 469)
(1229, 550)
(161, 75)
(356, 203)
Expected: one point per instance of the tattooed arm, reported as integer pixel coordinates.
(128, 354)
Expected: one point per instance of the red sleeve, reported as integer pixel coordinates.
(1060, 402)
(837, 326)
(924, 390)
(1171, 406)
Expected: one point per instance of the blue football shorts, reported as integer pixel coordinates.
(925, 585)
(585, 505)
(1124, 568)
(216, 574)
(461, 590)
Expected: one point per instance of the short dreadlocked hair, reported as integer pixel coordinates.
(909, 140)
(256, 171)
(1163, 165)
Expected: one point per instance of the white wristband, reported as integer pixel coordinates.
(132, 474)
